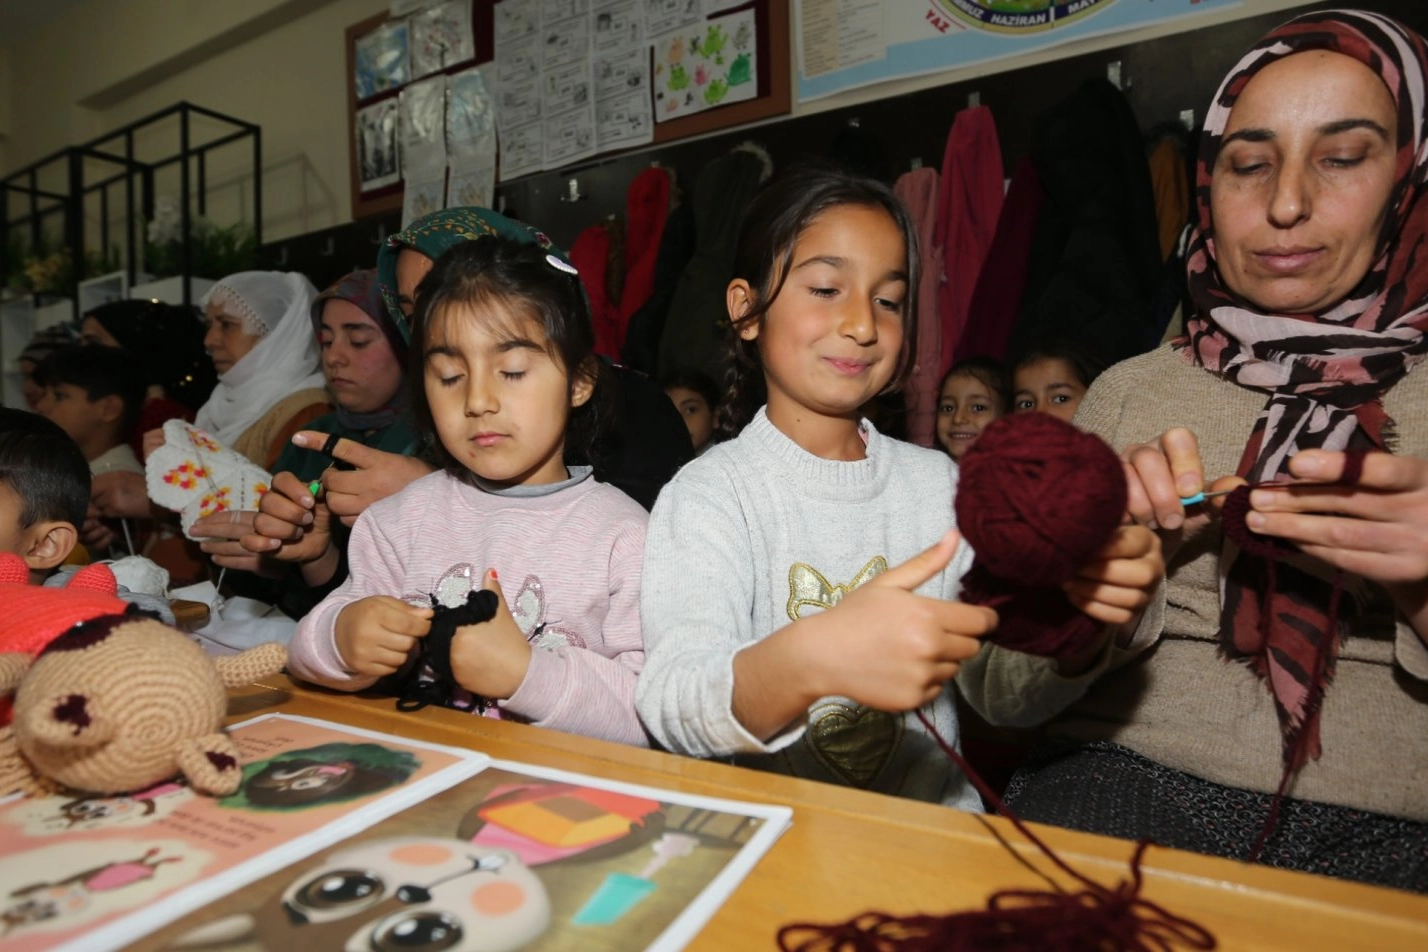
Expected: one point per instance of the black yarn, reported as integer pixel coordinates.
(429, 680)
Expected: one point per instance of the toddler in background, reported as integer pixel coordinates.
(1053, 380)
(502, 370)
(696, 398)
(44, 491)
(972, 394)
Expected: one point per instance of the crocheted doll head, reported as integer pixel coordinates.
(119, 703)
(1036, 499)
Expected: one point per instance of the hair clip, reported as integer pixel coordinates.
(559, 265)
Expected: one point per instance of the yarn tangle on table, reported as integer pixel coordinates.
(1036, 500)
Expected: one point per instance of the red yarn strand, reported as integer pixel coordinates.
(1053, 920)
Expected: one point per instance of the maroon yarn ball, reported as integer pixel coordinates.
(1038, 498)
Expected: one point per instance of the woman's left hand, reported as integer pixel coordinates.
(220, 534)
(375, 474)
(1377, 529)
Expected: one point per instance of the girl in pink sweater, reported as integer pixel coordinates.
(503, 374)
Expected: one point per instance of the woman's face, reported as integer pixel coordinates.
(226, 341)
(362, 372)
(412, 266)
(1301, 185)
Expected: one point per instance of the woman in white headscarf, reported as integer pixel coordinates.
(269, 382)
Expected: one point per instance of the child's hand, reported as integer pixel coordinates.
(1117, 584)
(892, 650)
(375, 634)
(219, 536)
(490, 659)
(153, 439)
(291, 524)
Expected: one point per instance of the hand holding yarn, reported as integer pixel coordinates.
(291, 524)
(1375, 528)
(491, 659)
(922, 642)
(1041, 503)
(375, 634)
(364, 475)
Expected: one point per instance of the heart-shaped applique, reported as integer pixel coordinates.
(853, 741)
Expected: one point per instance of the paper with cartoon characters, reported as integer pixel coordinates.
(518, 857)
(705, 65)
(94, 873)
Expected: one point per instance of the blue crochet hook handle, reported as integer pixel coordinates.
(1202, 496)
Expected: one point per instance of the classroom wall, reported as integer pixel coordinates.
(282, 64)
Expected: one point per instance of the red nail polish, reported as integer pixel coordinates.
(493, 574)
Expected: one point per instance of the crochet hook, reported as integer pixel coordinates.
(1202, 496)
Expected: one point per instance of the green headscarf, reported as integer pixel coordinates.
(435, 234)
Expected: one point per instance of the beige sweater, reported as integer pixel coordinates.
(1172, 696)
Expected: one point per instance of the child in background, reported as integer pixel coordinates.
(696, 398)
(1053, 380)
(44, 491)
(972, 394)
(94, 394)
(502, 372)
(800, 576)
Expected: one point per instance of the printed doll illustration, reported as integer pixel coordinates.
(315, 776)
(64, 886)
(549, 824)
(43, 816)
(404, 892)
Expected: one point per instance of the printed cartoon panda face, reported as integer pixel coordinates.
(415, 893)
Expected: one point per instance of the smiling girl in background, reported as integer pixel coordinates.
(502, 379)
(972, 394)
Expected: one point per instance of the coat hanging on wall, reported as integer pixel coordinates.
(694, 331)
(1095, 261)
(917, 190)
(968, 208)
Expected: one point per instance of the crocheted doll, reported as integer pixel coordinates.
(117, 701)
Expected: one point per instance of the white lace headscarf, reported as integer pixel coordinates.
(274, 305)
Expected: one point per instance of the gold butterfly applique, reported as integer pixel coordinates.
(808, 588)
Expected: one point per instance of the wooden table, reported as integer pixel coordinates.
(849, 851)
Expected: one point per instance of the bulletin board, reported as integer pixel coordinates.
(728, 78)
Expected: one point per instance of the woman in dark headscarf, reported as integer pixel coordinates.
(1310, 291)
(167, 341)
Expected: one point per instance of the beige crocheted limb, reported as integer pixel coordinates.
(12, 671)
(211, 764)
(16, 774)
(260, 662)
(66, 722)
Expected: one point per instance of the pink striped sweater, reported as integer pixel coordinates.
(569, 564)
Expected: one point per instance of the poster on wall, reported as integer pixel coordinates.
(377, 153)
(845, 44)
(470, 140)
(423, 132)
(383, 59)
(710, 64)
(441, 37)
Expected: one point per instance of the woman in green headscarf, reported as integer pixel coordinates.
(646, 441)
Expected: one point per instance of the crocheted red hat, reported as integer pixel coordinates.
(34, 615)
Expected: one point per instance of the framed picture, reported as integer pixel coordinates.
(382, 59)
(378, 150)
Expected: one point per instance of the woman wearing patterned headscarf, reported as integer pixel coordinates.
(1266, 716)
(260, 340)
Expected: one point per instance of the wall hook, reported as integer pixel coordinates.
(329, 249)
(974, 99)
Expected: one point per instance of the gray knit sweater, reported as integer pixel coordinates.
(1172, 696)
(756, 533)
